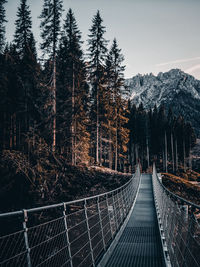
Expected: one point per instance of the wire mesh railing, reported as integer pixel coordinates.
(179, 225)
(75, 233)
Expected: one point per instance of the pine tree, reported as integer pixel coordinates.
(4, 100)
(29, 77)
(190, 140)
(23, 24)
(2, 24)
(10, 99)
(170, 123)
(132, 134)
(50, 26)
(164, 134)
(28, 70)
(161, 129)
(154, 132)
(3, 78)
(97, 54)
(72, 92)
(32, 47)
(108, 124)
(141, 127)
(115, 71)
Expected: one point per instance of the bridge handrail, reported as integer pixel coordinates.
(74, 233)
(179, 226)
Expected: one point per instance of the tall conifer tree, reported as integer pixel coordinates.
(23, 28)
(120, 105)
(72, 92)
(3, 78)
(97, 54)
(2, 24)
(27, 69)
(50, 26)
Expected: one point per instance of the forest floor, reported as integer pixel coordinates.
(33, 185)
(184, 184)
(45, 179)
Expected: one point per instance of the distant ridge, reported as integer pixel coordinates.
(174, 88)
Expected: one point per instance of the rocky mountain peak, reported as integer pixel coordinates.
(174, 88)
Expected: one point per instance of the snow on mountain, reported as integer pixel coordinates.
(174, 88)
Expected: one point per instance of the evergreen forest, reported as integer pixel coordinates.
(64, 109)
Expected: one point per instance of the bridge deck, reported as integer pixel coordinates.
(140, 244)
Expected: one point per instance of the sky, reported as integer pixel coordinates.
(154, 35)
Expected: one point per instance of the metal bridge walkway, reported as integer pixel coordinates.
(118, 228)
(140, 244)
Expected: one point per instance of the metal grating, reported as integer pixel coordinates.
(140, 243)
(140, 235)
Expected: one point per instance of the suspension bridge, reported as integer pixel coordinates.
(138, 224)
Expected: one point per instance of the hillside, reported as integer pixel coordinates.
(187, 189)
(26, 185)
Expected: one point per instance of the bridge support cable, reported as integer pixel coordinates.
(179, 226)
(72, 234)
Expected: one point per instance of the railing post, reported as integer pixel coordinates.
(122, 205)
(129, 198)
(109, 215)
(101, 225)
(118, 201)
(89, 236)
(125, 200)
(67, 234)
(131, 193)
(26, 238)
(114, 213)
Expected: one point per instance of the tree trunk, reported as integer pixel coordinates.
(72, 123)
(110, 147)
(163, 156)
(136, 153)
(176, 155)
(11, 132)
(19, 134)
(165, 152)
(15, 130)
(147, 152)
(97, 129)
(184, 155)
(75, 143)
(190, 158)
(4, 131)
(101, 152)
(172, 149)
(34, 126)
(54, 103)
(116, 149)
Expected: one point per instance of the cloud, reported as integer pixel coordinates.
(193, 68)
(178, 61)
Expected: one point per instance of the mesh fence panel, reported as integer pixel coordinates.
(75, 233)
(178, 219)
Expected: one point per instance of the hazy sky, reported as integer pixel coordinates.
(155, 35)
